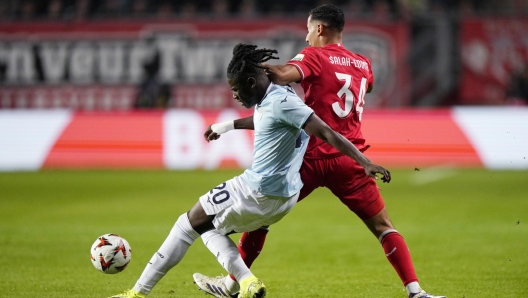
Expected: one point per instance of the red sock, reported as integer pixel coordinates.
(399, 256)
(250, 245)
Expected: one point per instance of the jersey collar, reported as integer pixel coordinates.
(339, 45)
(268, 91)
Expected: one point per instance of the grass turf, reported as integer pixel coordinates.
(467, 230)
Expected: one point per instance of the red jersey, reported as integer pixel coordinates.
(334, 81)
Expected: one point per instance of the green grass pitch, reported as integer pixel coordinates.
(467, 230)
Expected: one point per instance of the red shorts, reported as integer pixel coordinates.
(347, 180)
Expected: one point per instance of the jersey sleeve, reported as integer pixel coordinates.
(292, 110)
(307, 62)
(370, 77)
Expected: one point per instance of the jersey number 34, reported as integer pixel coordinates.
(346, 92)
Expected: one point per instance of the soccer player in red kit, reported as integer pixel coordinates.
(335, 81)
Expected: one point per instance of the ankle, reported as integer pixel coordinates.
(231, 284)
(413, 287)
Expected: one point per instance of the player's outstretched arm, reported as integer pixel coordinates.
(214, 131)
(314, 125)
(282, 74)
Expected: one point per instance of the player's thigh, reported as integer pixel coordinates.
(236, 208)
(348, 181)
(254, 211)
(219, 198)
(226, 203)
(199, 220)
(310, 172)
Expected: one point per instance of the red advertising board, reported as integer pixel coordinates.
(106, 65)
(32, 139)
(492, 50)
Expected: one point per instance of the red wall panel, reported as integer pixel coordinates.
(415, 137)
(115, 139)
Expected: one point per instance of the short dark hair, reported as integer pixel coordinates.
(246, 58)
(330, 14)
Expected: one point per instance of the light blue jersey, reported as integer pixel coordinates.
(280, 143)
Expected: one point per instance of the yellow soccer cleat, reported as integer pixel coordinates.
(252, 287)
(129, 294)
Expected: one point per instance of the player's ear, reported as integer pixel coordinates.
(320, 29)
(251, 82)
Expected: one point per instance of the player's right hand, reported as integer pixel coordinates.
(282, 74)
(271, 71)
(210, 135)
(372, 170)
(275, 73)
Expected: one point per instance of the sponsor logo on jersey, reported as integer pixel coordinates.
(298, 57)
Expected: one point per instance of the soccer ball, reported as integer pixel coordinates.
(110, 253)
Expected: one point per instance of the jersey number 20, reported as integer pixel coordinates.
(349, 97)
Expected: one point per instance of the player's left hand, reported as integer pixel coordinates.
(210, 135)
(372, 170)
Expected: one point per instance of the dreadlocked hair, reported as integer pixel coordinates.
(244, 56)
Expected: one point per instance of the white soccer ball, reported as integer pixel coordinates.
(110, 253)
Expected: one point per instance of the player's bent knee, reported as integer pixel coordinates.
(264, 228)
(183, 230)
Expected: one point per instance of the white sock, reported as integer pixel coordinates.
(232, 285)
(175, 246)
(226, 254)
(413, 287)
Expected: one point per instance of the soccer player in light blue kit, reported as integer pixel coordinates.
(264, 193)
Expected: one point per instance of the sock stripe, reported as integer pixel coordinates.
(385, 234)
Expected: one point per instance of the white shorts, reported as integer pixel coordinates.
(239, 209)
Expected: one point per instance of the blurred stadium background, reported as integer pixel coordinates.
(134, 83)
